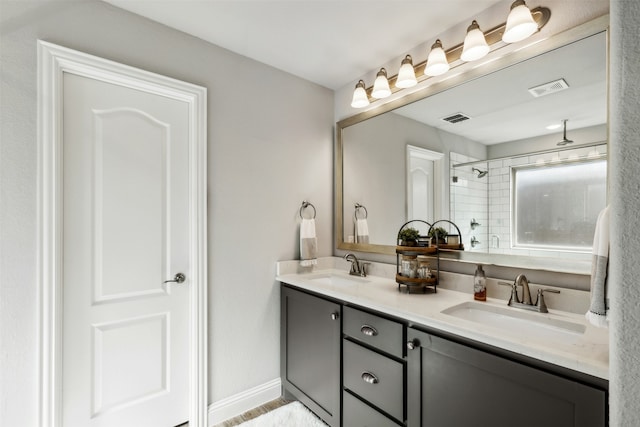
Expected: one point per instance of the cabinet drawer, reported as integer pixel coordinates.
(376, 378)
(373, 330)
(358, 414)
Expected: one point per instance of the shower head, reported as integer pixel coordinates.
(565, 141)
(481, 174)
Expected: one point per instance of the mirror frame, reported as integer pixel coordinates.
(600, 24)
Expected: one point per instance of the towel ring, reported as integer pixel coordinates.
(358, 206)
(305, 205)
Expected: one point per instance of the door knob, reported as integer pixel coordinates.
(178, 278)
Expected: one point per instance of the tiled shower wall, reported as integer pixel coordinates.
(488, 199)
(469, 201)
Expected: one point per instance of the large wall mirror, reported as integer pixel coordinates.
(482, 151)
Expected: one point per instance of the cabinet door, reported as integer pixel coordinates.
(310, 358)
(450, 384)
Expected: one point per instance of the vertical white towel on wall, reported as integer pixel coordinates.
(599, 308)
(362, 231)
(308, 243)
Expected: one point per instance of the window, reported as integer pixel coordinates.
(555, 207)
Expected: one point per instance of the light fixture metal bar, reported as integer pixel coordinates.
(540, 14)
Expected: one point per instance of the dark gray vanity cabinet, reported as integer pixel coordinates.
(358, 368)
(452, 384)
(310, 352)
(373, 370)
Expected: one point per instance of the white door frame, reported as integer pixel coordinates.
(53, 61)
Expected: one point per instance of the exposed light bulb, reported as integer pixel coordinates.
(360, 98)
(407, 75)
(475, 44)
(437, 60)
(381, 85)
(520, 23)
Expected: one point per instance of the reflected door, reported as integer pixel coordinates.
(125, 332)
(421, 200)
(422, 181)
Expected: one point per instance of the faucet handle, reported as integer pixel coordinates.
(540, 304)
(514, 291)
(363, 268)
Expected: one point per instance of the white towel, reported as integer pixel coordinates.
(308, 243)
(599, 309)
(362, 231)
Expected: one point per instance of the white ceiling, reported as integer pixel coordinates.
(329, 42)
(335, 42)
(501, 109)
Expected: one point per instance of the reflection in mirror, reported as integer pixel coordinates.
(544, 204)
(424, 173)
(502, 116)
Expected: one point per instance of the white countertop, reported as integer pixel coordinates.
(587, 353)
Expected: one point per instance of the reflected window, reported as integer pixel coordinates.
(555, 207)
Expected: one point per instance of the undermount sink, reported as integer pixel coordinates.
(524, 324)
(334, 279)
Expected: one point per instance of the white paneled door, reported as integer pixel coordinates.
(125, 357)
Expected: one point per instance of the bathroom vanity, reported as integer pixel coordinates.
(359, 353)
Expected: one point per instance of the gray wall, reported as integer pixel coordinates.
(374, 171)
(270, 146)
(625, 203)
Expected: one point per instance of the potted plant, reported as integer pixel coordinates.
(408, 236)
(441, 234)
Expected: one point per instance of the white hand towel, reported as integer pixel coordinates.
(362, 230)
(308, 243)
(599, 309)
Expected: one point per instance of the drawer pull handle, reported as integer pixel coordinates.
(335, 316)
(369, 331)
(369, 378)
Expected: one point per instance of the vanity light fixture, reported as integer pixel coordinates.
(406, 75)
(520, 23)
(360, 98)
(381, 85)
(437, 61)
(475, 44)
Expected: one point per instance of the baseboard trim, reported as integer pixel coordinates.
(240, 403)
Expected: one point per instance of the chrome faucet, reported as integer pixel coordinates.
(357, 268)
(515, 301)
(521, 280)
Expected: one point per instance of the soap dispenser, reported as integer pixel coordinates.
(479, 284)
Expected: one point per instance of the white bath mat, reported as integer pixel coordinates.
(292, 414)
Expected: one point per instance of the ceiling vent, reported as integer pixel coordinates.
(549, 88)
(456, 118)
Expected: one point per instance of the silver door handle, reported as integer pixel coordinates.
(178, 278)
